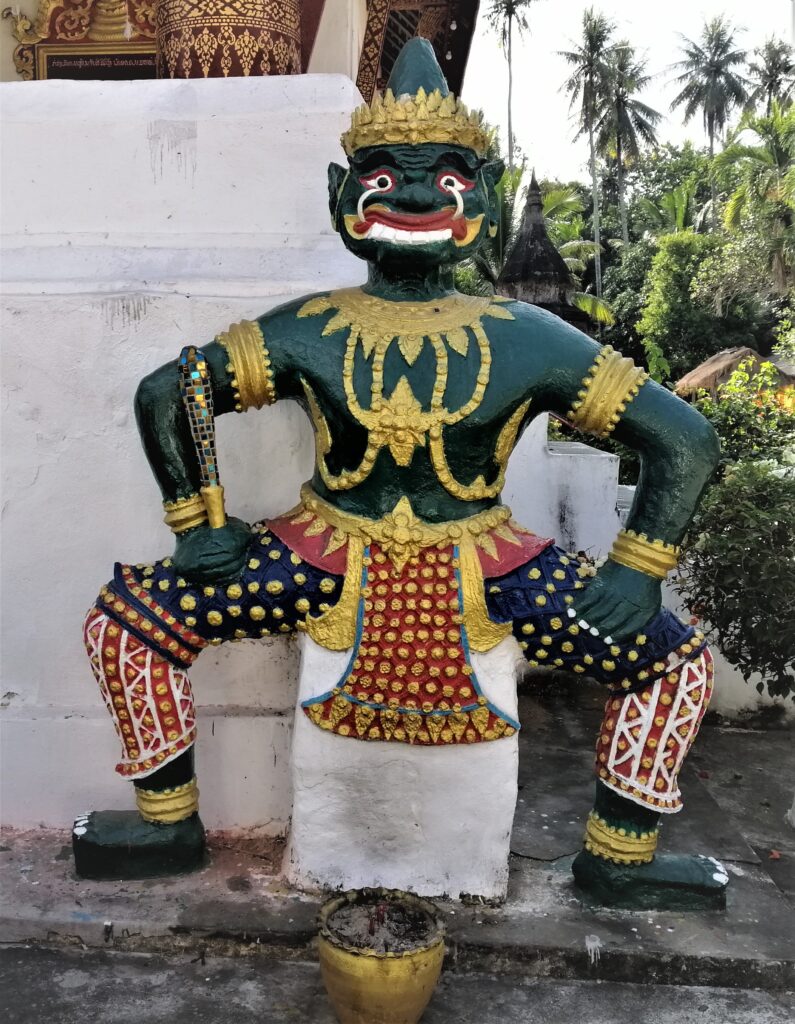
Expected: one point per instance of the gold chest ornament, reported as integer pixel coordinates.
(400, 422)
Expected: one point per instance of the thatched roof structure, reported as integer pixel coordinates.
(535, 271)
(716, 370)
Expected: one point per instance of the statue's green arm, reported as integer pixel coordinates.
(678, 450)
(245, 371)
(163, 423)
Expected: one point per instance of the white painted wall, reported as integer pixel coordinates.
(137, 217)
(563, 490)
(338, 44)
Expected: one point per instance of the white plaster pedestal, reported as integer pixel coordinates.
(430, 820)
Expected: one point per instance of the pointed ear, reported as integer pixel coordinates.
(492, 173)
(336, 179)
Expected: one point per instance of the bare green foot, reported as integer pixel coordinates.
(669, 882)
(121, 845)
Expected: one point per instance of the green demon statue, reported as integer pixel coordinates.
(399, 549)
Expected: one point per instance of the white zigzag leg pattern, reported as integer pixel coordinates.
(149, 699)
(645, 736)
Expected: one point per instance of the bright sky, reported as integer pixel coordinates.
(542, 125)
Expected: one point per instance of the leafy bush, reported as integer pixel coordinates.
(677, 331)
(738, 571)
(750, 419)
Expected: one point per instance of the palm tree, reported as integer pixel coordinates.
(502, 16)
(766, 189)
(586, 86)
(772, 75)
(676, 210)
(711, 80)
(626, 122)
(563, 208)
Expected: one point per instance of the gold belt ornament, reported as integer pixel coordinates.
(401, 535)
(400, 422)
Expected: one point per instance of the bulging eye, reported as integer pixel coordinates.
(449, 181)
(381, 181)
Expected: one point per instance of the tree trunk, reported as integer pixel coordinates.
(714, 210)
(622, 199)
(597, 227)
(510, 93)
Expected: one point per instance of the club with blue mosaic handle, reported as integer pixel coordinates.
(197, 396)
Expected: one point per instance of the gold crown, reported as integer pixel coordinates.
(424, 117)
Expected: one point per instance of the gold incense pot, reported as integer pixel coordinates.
(370, 986)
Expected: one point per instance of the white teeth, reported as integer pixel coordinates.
(383, 233)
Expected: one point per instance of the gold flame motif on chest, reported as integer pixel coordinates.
(400, 422)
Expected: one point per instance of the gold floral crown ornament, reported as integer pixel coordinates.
(415, 119)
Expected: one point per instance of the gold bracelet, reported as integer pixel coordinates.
(618, 844)
(609, 386)
(653, 557)
(185, 513)
(249, 364)
(168, 806)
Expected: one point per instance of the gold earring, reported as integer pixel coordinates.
(493, 230)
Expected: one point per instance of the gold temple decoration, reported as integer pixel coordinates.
(109, 21)
(168, 806)
(423, 117)
(652, 557)
(185, 513)
(609, 386)
(196, 39)
(400, 422)
(618, 844)
(249, 364)
(86, 33)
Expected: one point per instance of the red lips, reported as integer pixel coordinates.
(412, 222)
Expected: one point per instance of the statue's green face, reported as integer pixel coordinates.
(429, 204)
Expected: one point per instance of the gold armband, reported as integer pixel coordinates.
(609, 386)
(167, 806)
(249, 364)
(185, 513)
(654, 557)
(618, 844)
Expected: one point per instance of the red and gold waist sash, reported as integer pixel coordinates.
(412, 608)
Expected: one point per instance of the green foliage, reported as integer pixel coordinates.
(748, 416)
(762, 154)
(625, 285)
(784, 334)
(738, 571)
(674, 327)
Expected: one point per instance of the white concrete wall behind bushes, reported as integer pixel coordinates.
(139, 216)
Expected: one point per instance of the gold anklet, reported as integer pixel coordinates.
(168, 806)
(618, 844)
